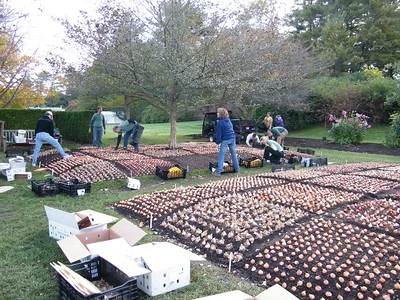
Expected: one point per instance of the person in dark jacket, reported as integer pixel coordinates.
(279, 121)
(44, 134)
(225, 137)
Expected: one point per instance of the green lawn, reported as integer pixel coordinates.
(26, 249)
(376, 134)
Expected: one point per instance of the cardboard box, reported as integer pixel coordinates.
(17, 164)
(63, 224)
(275, 292)
(23, 175)
(76, 247)
(133, 184)
(169, 265)
(158, 267)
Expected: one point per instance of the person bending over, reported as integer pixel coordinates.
(44, 134)
(252, 139)
(273, 152)
(126, 127)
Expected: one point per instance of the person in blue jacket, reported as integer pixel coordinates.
(225, 137)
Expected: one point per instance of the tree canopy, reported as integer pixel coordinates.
(350, 34)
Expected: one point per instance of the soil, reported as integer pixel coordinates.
(199, 162)
(370, 148)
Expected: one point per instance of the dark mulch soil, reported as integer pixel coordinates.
(325, 144)
(200, 162)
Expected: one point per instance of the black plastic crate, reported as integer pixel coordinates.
(48, 187)
(14, 153)
(75, 188)
(319, 162)
(99, 269)
(285, 167)
(306, 151)
(173, 172)
(253, 162)
(228, 167)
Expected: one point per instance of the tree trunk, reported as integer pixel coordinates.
(172, 138)
(127, 106)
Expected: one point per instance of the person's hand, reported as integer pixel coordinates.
(90, 130)
(104, 131)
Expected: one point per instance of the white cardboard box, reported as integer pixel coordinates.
(275, 292)
(63, 224)
(23, 175)
(169, 265)
(158, 267)
(76, 247)
(17, 164)
(133, 184)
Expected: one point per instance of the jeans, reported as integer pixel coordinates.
(135, 145)
(221, 155)
(44, 137)
(98, 137)
(126, 138)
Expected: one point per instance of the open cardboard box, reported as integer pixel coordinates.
(275, 292)
(126, 234)
(63, 224)
(158, 267)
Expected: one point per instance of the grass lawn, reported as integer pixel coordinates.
(376, 134)
(26, 249)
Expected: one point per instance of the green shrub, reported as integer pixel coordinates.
(348, 129)
(392, 138)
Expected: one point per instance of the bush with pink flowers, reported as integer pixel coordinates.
(348, 128)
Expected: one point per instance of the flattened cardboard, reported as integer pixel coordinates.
(63, 224)
(275, 292)
(232, 295)
(75, 247)
(121, 259)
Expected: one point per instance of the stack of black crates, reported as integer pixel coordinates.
(51, 187)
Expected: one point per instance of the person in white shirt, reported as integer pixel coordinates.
(251, 139)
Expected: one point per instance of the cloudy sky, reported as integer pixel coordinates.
(42, 34)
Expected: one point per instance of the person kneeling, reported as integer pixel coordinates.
(273, 152)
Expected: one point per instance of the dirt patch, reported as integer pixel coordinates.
(371, 148)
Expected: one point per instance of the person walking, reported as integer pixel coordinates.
(278, 133)
(127, 127)
(44, 132)
(225, 137)
(98, 126)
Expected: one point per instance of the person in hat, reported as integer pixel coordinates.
(44, 132)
